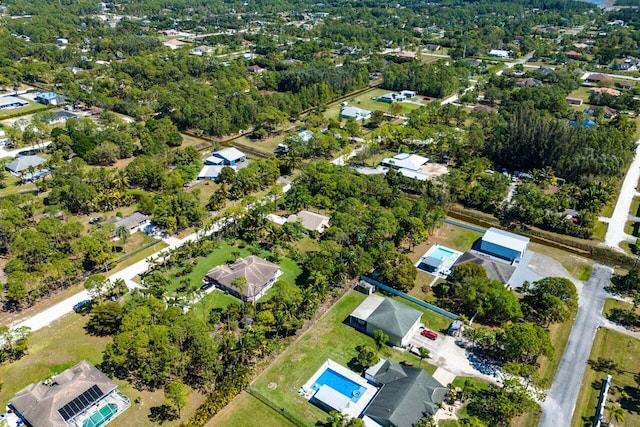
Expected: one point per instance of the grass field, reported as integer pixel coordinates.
(632, 228)
(623, 350)
(559, 333)
(330, 338)
(364, 100)
(431, 59)
(223, 254)
(583, 93)
(197, 143)
(451, 236)
(51, 350)
(13, 185)
(266, 145)
(253, 414)
(64, 344)
(599, 231)
(27, 109)
(612, 303)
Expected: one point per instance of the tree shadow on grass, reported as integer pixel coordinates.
(161, 414)
(630, 399)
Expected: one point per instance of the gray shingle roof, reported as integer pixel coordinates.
(394, 317)
(131, 221)
(496, 270)
(39, 403)
(407, 395)
(256, 270)
(23, 163)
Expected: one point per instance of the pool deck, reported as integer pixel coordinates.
(114, 397)
(353, 409)
(446, 263)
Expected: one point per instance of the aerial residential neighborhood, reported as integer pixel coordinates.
(345, 214)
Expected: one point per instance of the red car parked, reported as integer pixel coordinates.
(429, 334)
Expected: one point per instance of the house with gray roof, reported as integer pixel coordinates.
(310, 221)
(407, 394)
(132, 222)
(259, 276)
(398, 321)
(79, 396)
(496, 269)
(22, 164)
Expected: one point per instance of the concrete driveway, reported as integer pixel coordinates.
(432, 345)
(558, 407)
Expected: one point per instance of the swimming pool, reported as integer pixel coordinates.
(441, 253)
(102, 416)
(339, 383)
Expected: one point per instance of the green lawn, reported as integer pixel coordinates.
(27, 109)
(632, 228)
(13, 185)
(623, 350)
(583, 93)
(635, 207)
(64, 344)
(222, 255)
(612, 303)
(51, 350)
(599, 231)
(364, 100)
(454, 237)
(247, 411)
(329, 338)
(306, 244)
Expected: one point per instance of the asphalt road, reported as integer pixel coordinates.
(558, 407)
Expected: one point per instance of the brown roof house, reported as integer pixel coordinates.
(311, 221)
(79, 396)
(259, 275)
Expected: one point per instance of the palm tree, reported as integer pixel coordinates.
(423, 353)
(123, 233)
(616, 413)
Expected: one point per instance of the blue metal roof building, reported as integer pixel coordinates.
(502, 244)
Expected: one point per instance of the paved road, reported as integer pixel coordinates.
(615, 231)
(558, 407)
(14, 153)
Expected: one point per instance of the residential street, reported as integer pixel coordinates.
(558, 407)
(615, 232)
(55, 312)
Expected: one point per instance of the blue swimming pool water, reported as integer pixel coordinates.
(340, 384)
(441, 253)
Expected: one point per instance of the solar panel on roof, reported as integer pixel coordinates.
(80, 403)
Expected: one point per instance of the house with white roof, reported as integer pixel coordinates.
(229, 156)
(499, 53)
(355, 113)
(210, 172)
(405, 161)
(504, 245)
(10, 102)
(408, 165)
